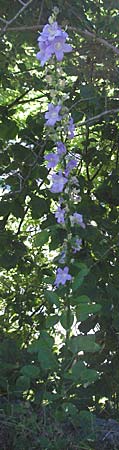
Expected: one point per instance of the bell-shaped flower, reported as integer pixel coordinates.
(62, 276)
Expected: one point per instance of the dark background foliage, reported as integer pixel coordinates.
(29, 370)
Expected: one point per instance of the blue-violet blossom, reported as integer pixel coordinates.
(59, 215)
(51, 31)
(52, 41)
(62, 276)
(71, 128)
(59, 47)
(52, 115)
(52, 159)
(72, 163)
(61, 149)
(77, 219)
(59, 182)
(77, 245)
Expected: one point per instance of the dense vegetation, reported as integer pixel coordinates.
(56, 366)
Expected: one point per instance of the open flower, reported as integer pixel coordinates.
(52, 115)
(62, 276)
(51, 31)
(72, 163)
(71, 128)
(77, 219)
(77, 245)
(61, 149)
(59, 47)
(59, 182)
(59, 215)
(52, 159)
(51, 41)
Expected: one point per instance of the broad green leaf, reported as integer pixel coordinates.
(8, 129)
(88, 308)
(84, 343)
(23, 383)
(45, 341)
(81, 275)
(52, 320)
(77, 282)
(79, 300)
(39, 206)
(46, 358)
(81, 373)
(30, 371)
(52, 298)
(41, 238)
(66, 319)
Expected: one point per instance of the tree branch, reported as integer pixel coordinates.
(99, 116)
(85, 33)
(8, 22)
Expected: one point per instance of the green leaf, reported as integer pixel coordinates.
(8, 129)
(41, 238)
(52, 298)
(77, 282)
(80, 277)
(46, 358)
(83, 343)
(87, 308)
(39, 206)
(45, 340)
(52, 320)
(66, 319)
(23, 383)
(79, 300)
(30, 371)
(83, 374)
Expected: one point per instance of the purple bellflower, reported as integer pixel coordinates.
(72, 163)
(52, 159)
(52, 115)
(51, 31)
(77, 245)
(62, 276)
(77, 219)
(59, 182)
(59, 47)
(61, 149)
(71, 128)
(59, 215)
(62, 257)
(52, 41)
(45, 53)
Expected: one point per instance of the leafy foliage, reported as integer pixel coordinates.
(59, 353)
